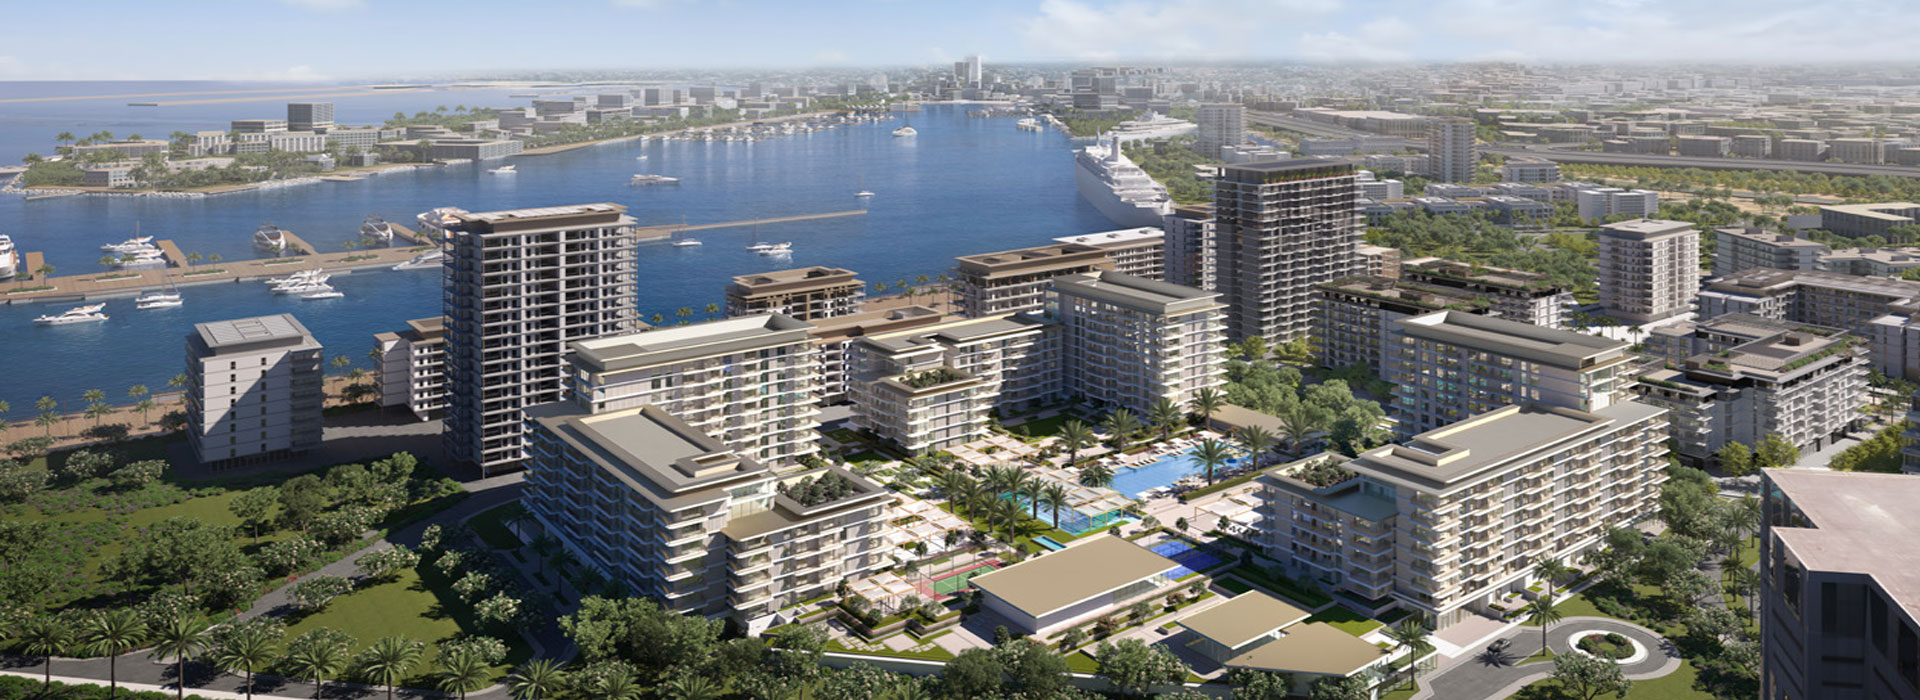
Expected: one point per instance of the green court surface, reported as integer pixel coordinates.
(952, 584)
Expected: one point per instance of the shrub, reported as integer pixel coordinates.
(17, 483)
(288, 555)
(490, 650)
(80, 466)
(138, 474)
(473, 585)
(385, 563)
(315, 592)
(344, 525)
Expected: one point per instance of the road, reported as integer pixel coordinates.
(1661, 161)
(1485, 676)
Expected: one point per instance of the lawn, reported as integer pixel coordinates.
(1673, 686)
(1348, 621)
(416, 605)
(1080, 662)
(1045, 427)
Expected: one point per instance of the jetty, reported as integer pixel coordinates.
(648, 233)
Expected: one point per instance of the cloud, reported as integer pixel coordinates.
(831, 56)
(1167, 29)
(1382, 40)
(326, 5)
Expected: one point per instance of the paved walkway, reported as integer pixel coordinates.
(1488, 677)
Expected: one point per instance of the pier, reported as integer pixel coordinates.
(649, 233)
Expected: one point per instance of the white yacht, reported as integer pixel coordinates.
(78, 314)
(158, 300)
(303, 286)
(1028, 124)
(321, 292)
(9, 259)
(1152, 125)
(131, 245)
(376, 229)
(503, 170)
(653, 180)
(270, 237)
(431, 258)
(686, 242)
(301, 276)
(1122, 191)
(144, 258)
(904, 131)
(642, 156)
(864, 194)
(772, 249)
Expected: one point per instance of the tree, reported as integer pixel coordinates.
(619, 684)
(1541, 612)
(1735, 459)
(252, 507)
(302, 499)
(318, 655)
(111, 633)
(1135, 667)
(1340, 688)
(313, 593)
(1586, 678)
(690, 686)
(1211, 453)
(389, 660)
(1205, 402)
(537, 679)
(46, 637)
(1260, 685)
(462, 672)
(1033, 670)
(248, 648)
(1550, 570)
(1257, 441)
(1298, 423)
(974, 673)
(1412, 634)
(1165, 415)
(1075, 436)
(384, 564)
(1775, 451)
(1055, 497)
(1121, 425)
(183, 637)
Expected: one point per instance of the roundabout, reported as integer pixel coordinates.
(1608, 645)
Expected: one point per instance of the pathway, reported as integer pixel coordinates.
(1489, 677)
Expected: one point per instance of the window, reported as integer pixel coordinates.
(1843, 609)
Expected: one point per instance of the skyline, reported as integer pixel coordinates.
(387, 39)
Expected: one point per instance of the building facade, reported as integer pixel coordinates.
(1449, 365)
(1649, 269)
(1356, 312)
(1129, 342)
(931, 388)
(1806, 384)
(1219, 125)
(1737, 250)
(253, 390)
(1013, 281)
(1190, 246)
(1141, 252)
(1451, 152)
(1518, 295)
(1282, 228)
(413, 367)
(807, 294)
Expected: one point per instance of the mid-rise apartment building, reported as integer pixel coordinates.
(1871, 262)
(1736, 250)
(1802, 296)
(1595, 203)
(1218, 125)
(1281, 229)
(521, 285)
(1527, 297)
(1838, 613)
(831, 337)
(253, 390)
(1356, 312)
(1857, 220)
(1704, 146)
(1008, 282)
(1449, 365)
(1141, 252)
(1803, 383)
(679, 516)
(1190, 246)
(413, 367)
(1451, 154)
(751, 382)
(1129, 342)
(1649, 269)
(1452, 519)
(1378, 261)
(807, 293)
(1856, 150)
(1530, 171)
(931, 388)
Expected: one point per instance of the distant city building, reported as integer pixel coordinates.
(253, 390)
(129, 149)
(1800, 149)
(1012, 281)
(1751, 146)
(1865, 151)
(1838, 612)
(412, 370)
(1705, 146)
(1282, 228)
(1596, 203)
(1649, 269)
(258, 126)
(1219, 126)
(1140, 252)
(509, 324)
(310, 116)
(1858, 220)
(807, 293)
(1451, 150)
(1449, 365)
(1530, 171)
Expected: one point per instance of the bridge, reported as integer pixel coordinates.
(647, 233)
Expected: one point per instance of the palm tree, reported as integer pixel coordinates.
(1055, 496)
(96, 411)
(182, 638)
(46, 638)
(1033, 488)
(1257, 440)
(46, 419)
(1205, 402)
(389, 660)
(1096, 475)
(1212, 453)
(143, 407)
(536, 679)
(462, 672)
(1412, 634)
(1120, 425)
(93, 396)
(953, 482)
(1541, 612)
(177, 381)
(64, 137)
(1166, 415)
(712, 309)
(1008, 513)
(1075, 436)
(618, 684)
(1298, 423)
(1550, 570)
(111, 633)
(682, 313)
(248, 650)
(690, 687)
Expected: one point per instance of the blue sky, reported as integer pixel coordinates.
(353, 39)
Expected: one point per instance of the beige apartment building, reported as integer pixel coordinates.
(253, 390)
(1450, 365)
(931, 388)
(1450, 521)
(1280, 229)
(1012, 281)
(1737, 250)
(679, 516)
(831, 337)
(1356, 312)
(413, 367)
(807, 293)
(1649, 269)
(1141, 252)
(1451, 152)
(1129, 342)
(753, 382)
(1527, 297)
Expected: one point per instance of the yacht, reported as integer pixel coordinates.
(1028, 124)
(144, 258)
(158, 300)
(686, 242)
(1111, 182)
(301, 276)
(376, 228)
(131, 245)
(653, 180)
(772, 249)
(431, 258)
(302, 286)
(321, 292)
(905, 130)
(9, 260)
(642, 156)
(1152, 125)
(78, 314)
(270, 237)
(502, 170)
(864, 193)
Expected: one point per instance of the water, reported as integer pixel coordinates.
(1160, 473)
(962, 186)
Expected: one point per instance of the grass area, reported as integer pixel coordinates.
(1309, 598)
(1233, 585)
(1047, 427)
(417, 605)
(1673, 686)
(865, 456)
(1348, 621)
(937, 653)
(1080, 662)
(492, 528)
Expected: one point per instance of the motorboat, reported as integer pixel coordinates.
(301, 276)
(270, 237)
(502, 170)
(653, 180)
(144, 258)
(376, 228)
(686, 243)
(158, 300)
(322, 292)
(642, 156)
(131, 245)
(863, 194)
(9, 260)
(78, 314)
(431, 258)
(904, 131)
(302, 287)
(771, 249)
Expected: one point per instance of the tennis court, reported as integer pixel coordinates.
(957, 581)
(1190, 560)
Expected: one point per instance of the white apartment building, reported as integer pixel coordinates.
(1013, 281)
(520, 286)
(1596, 203)
(1128, 342)
(1141, 252)
(680, 517)
(413, 367)
(1649, 269)
(1802, 296)
(807, 293)
(1735, 250)
(751, 382)
(1451, 153)
(1454, 518)
(1518, 295)
(1282, 228)
(1190, 246)
(832, 336)
(253, 390)
(1355, 313)
(1217, 126)
(1530, 171)
(930, 388)
(1449, 365)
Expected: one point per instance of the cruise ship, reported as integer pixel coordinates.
(1152, 125)
(1117, 187)
(9, 260)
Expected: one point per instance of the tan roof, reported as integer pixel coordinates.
(1083, 570)
(1315, 647)
(1860, 523)
(1247, 617)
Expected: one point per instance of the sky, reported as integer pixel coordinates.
(372, 39)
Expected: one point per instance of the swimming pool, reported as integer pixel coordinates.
(1161, 472)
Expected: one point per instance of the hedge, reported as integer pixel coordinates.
(21, 688)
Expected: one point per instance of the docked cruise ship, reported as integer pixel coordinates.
(1117, 187)
(1152, 125)
(9, 260)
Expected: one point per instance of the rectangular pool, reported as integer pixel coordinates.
(1160, 473)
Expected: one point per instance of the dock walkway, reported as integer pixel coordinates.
(647, 233)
